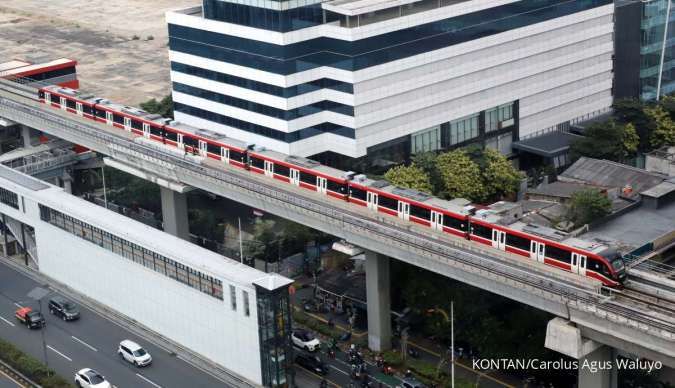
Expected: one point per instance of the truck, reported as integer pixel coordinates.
(29, 317)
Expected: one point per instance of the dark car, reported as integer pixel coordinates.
(64, 309)
(29, 317)
(312, 363)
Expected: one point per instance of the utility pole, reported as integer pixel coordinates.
(241, 245)
(105, 194)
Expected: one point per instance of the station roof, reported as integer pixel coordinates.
(548, 145)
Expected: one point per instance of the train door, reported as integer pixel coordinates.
(269, 169)
(321, 185)
(78, 108)
(146, 130)
(48, 98)
(225, 155)
(498, 239)
(179, 141)
(578, 264)
(403, 210)
(108, 118)
(64, 105)
(127, 124)
(372, 200)
(537, 251)
(436, 220)
(203, 150)
(295, 176)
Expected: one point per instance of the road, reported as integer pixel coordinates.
(90, 342)
(7, 382)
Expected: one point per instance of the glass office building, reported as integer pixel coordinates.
(347, 79)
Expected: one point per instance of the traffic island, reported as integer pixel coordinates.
(27, 369)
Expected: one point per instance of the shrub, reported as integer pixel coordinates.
(30, 367)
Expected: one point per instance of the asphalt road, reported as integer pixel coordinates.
(90, 342)
(6, 382)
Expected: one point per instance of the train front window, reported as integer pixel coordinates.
(618, 264)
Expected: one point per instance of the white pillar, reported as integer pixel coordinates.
(175, 213)
(27, 136)
(605, 374)
(378, 299)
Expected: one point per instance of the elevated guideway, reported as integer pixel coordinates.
(614, 322)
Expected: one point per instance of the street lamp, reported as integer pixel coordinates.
(37, 294)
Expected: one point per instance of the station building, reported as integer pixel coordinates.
(376, 81)
(229, 313)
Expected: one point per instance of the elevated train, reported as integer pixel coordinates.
(456, 217)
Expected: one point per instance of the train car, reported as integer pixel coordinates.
(302, 172)
(129, 118)
(206, 143)
(70, 100)
(504, 231)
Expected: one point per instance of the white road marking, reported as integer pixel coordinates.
(60, 354)
(84, 343)
(18, 305)
(339, 370)
(7, 322)
(148, 380)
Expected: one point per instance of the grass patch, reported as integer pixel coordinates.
(31, 367)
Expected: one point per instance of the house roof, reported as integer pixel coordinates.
(548, 145)
(611, 174)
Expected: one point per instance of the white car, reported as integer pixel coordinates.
(305, 340)
(134, 353)
(89, 378)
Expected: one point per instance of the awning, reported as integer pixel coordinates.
(548, 145)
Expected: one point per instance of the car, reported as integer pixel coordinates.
(312, 363)
(305, 339)
(134, 353)
(31, 318)
(89, 378)
(411, 382)
(63, 308)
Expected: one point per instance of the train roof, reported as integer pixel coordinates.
(458, 205)
(129, 110)
(208, 134)
(80, 95)
(307, 164)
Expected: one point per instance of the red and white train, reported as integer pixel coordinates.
(488, 226)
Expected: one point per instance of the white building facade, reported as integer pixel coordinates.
(223, 310)
(386, 78)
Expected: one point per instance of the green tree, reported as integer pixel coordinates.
(461, 176)
(164, 107)
(428, 163)
(264, 245)
(664, 132)
(606, 140)
(411, 177)
(587, 206)
(499, 176)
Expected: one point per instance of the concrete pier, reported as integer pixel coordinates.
(175, 213)
(378, 298)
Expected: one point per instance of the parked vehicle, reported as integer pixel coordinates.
(411, 382)
(312, 362)
(89, 378)
(134, 353)
(31, 318)
(63, 309)
(305, 339)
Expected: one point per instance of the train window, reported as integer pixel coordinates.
(212, 148)
(155, 130)
(558, 254)
(41, 94)
(117, 118)
(56, 99)
(170, 135)
(387, 202)
(70, 103)
(86, 109)
(236, 155)
(597, 266)
(481, 231)
(135, 124)
(189, 141)
(336, 187)
(454, 223)
(99, 113)
(357, 193)
(280, 169)
(420, 212)
(518, 242)
(308, 178)
(257, 162)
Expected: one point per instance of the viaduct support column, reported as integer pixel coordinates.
(175, 213)
(27, 136)
(605, 376)
(378, 298)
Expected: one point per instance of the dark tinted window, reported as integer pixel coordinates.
(155, 130)
(357, 193)
(212, 148)
(86, 109)
(558, 254)
(389, 203)
(307, 178)
(119, 119)
(136, 124)
(336, 187)
(170, 135)
(70, 104)
(257, 162)
(281, 170)
(420, 212)
(99, 113)
(236, 155)
(56, 99)
(188, 141)
(481, 231)
(518, 242)
(454, 223)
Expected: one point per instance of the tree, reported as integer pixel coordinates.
(411, 177)
(587, 206)
(499, 176)
(428, 163)
(264, 245)
(461, 176)
(664, 133)
(606, 140)
(164, 107)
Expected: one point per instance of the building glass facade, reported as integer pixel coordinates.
(274, 325)
(657, 45)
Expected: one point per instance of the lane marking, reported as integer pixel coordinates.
(18, 305)
(339, 370)
(7, 322)
(148, 380)
(59, 353)
(84, 343)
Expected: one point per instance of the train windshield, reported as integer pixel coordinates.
(618, 265)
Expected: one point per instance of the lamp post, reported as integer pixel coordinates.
(37, 294)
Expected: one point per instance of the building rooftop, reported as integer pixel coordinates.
(547, 145)
(561, 189)
(611, 174)
(21, 179)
